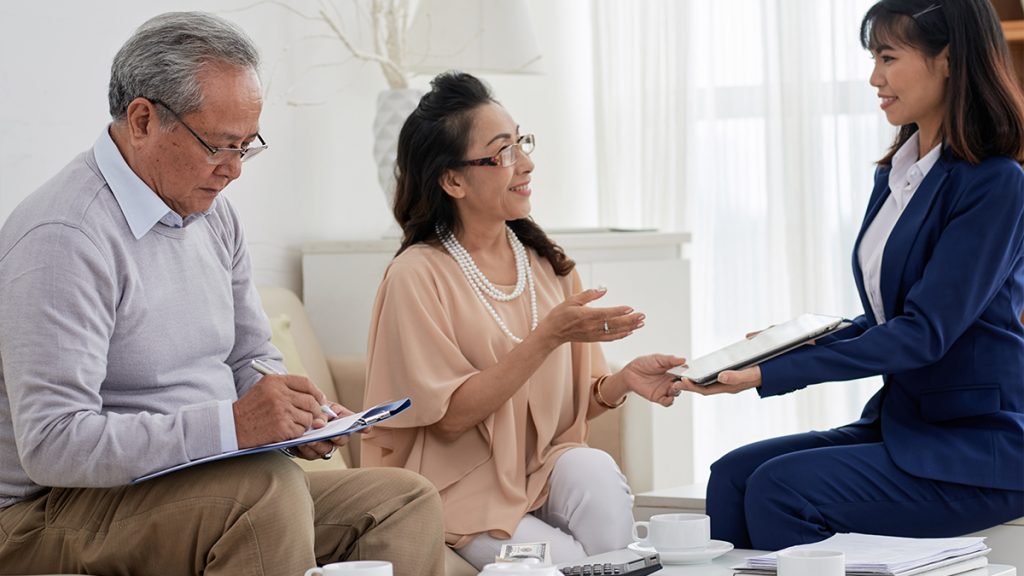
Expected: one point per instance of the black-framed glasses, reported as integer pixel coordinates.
(218, 154)
(507, 156)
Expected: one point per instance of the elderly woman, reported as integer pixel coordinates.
(482, 321)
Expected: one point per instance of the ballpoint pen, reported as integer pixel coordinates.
(267, 370)
(371, 420)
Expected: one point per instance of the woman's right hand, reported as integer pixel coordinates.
(574, 321)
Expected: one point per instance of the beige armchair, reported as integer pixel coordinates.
(343, 379)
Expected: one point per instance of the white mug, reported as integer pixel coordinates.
(811, 562)
(356, 568)
(519, 569)
(673, 532)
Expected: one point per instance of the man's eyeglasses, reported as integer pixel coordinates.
(507, 156)
(218, 155)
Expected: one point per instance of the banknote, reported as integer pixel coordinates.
(525, 552)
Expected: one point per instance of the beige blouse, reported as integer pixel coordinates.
(429, 333)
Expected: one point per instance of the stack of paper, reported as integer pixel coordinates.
(890, 556)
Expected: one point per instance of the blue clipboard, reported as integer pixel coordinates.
(339, 427)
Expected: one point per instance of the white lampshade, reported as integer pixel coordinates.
(480, 36)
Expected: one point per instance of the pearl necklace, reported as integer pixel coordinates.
(483, 287)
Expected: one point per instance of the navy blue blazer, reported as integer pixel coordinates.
(952, 350)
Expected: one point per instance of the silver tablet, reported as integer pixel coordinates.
(766, 344)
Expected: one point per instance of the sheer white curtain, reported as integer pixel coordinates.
(640, 112)
(751, 124)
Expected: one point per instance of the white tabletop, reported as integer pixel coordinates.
(722, 566)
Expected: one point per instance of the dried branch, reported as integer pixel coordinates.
(389, 21)
(389, 60)
(284, 5)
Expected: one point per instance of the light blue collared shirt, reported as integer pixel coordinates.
(143, 210)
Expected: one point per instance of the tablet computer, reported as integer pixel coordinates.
(766, 344)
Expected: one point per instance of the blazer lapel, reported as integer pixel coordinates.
(880, 193)
(897, 247)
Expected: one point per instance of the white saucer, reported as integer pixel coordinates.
(714, 549)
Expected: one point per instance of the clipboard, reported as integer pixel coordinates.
(338, 427)
(767, 344)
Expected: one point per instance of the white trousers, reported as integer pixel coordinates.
(589, 511)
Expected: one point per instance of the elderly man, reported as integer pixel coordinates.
(128, 321)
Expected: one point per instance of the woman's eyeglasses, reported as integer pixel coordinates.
(505, 157)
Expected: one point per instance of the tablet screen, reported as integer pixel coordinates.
(768, 343)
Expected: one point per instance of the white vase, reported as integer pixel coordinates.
(393, 107)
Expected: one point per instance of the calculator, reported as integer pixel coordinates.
(639, 567)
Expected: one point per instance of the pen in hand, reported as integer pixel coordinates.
(267, 370)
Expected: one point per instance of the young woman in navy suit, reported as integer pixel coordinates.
(939, 265)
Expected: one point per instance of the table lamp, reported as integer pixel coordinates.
(478, 36)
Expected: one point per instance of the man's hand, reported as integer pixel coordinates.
(277, 408)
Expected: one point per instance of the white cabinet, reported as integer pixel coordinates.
(646, 270)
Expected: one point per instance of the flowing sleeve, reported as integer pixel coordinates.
(413, 349)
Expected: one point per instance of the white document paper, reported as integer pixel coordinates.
(890, 555)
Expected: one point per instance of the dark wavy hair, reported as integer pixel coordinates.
(984, 105)
(433, 139)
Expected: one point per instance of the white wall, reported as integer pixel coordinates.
(318, 180)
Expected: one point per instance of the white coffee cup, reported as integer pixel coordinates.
(811, 562)
(519, 569)
(356, 568)
(672, 532)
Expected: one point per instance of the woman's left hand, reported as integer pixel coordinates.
(648, 377)
(729, 382)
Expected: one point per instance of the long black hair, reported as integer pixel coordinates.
(433, 140)
(984, 104)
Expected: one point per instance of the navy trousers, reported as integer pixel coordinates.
(806, 487)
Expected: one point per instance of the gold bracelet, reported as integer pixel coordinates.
(600, 399)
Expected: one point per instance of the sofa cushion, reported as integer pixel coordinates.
(278, 302)
(281, 337)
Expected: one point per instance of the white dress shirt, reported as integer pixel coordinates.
(906, 175)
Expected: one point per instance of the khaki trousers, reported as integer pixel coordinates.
(258, 514)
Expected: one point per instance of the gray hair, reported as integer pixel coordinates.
(163, 57)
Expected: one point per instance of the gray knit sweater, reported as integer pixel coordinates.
(114, 352)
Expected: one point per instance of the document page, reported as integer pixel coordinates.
(891, 555)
